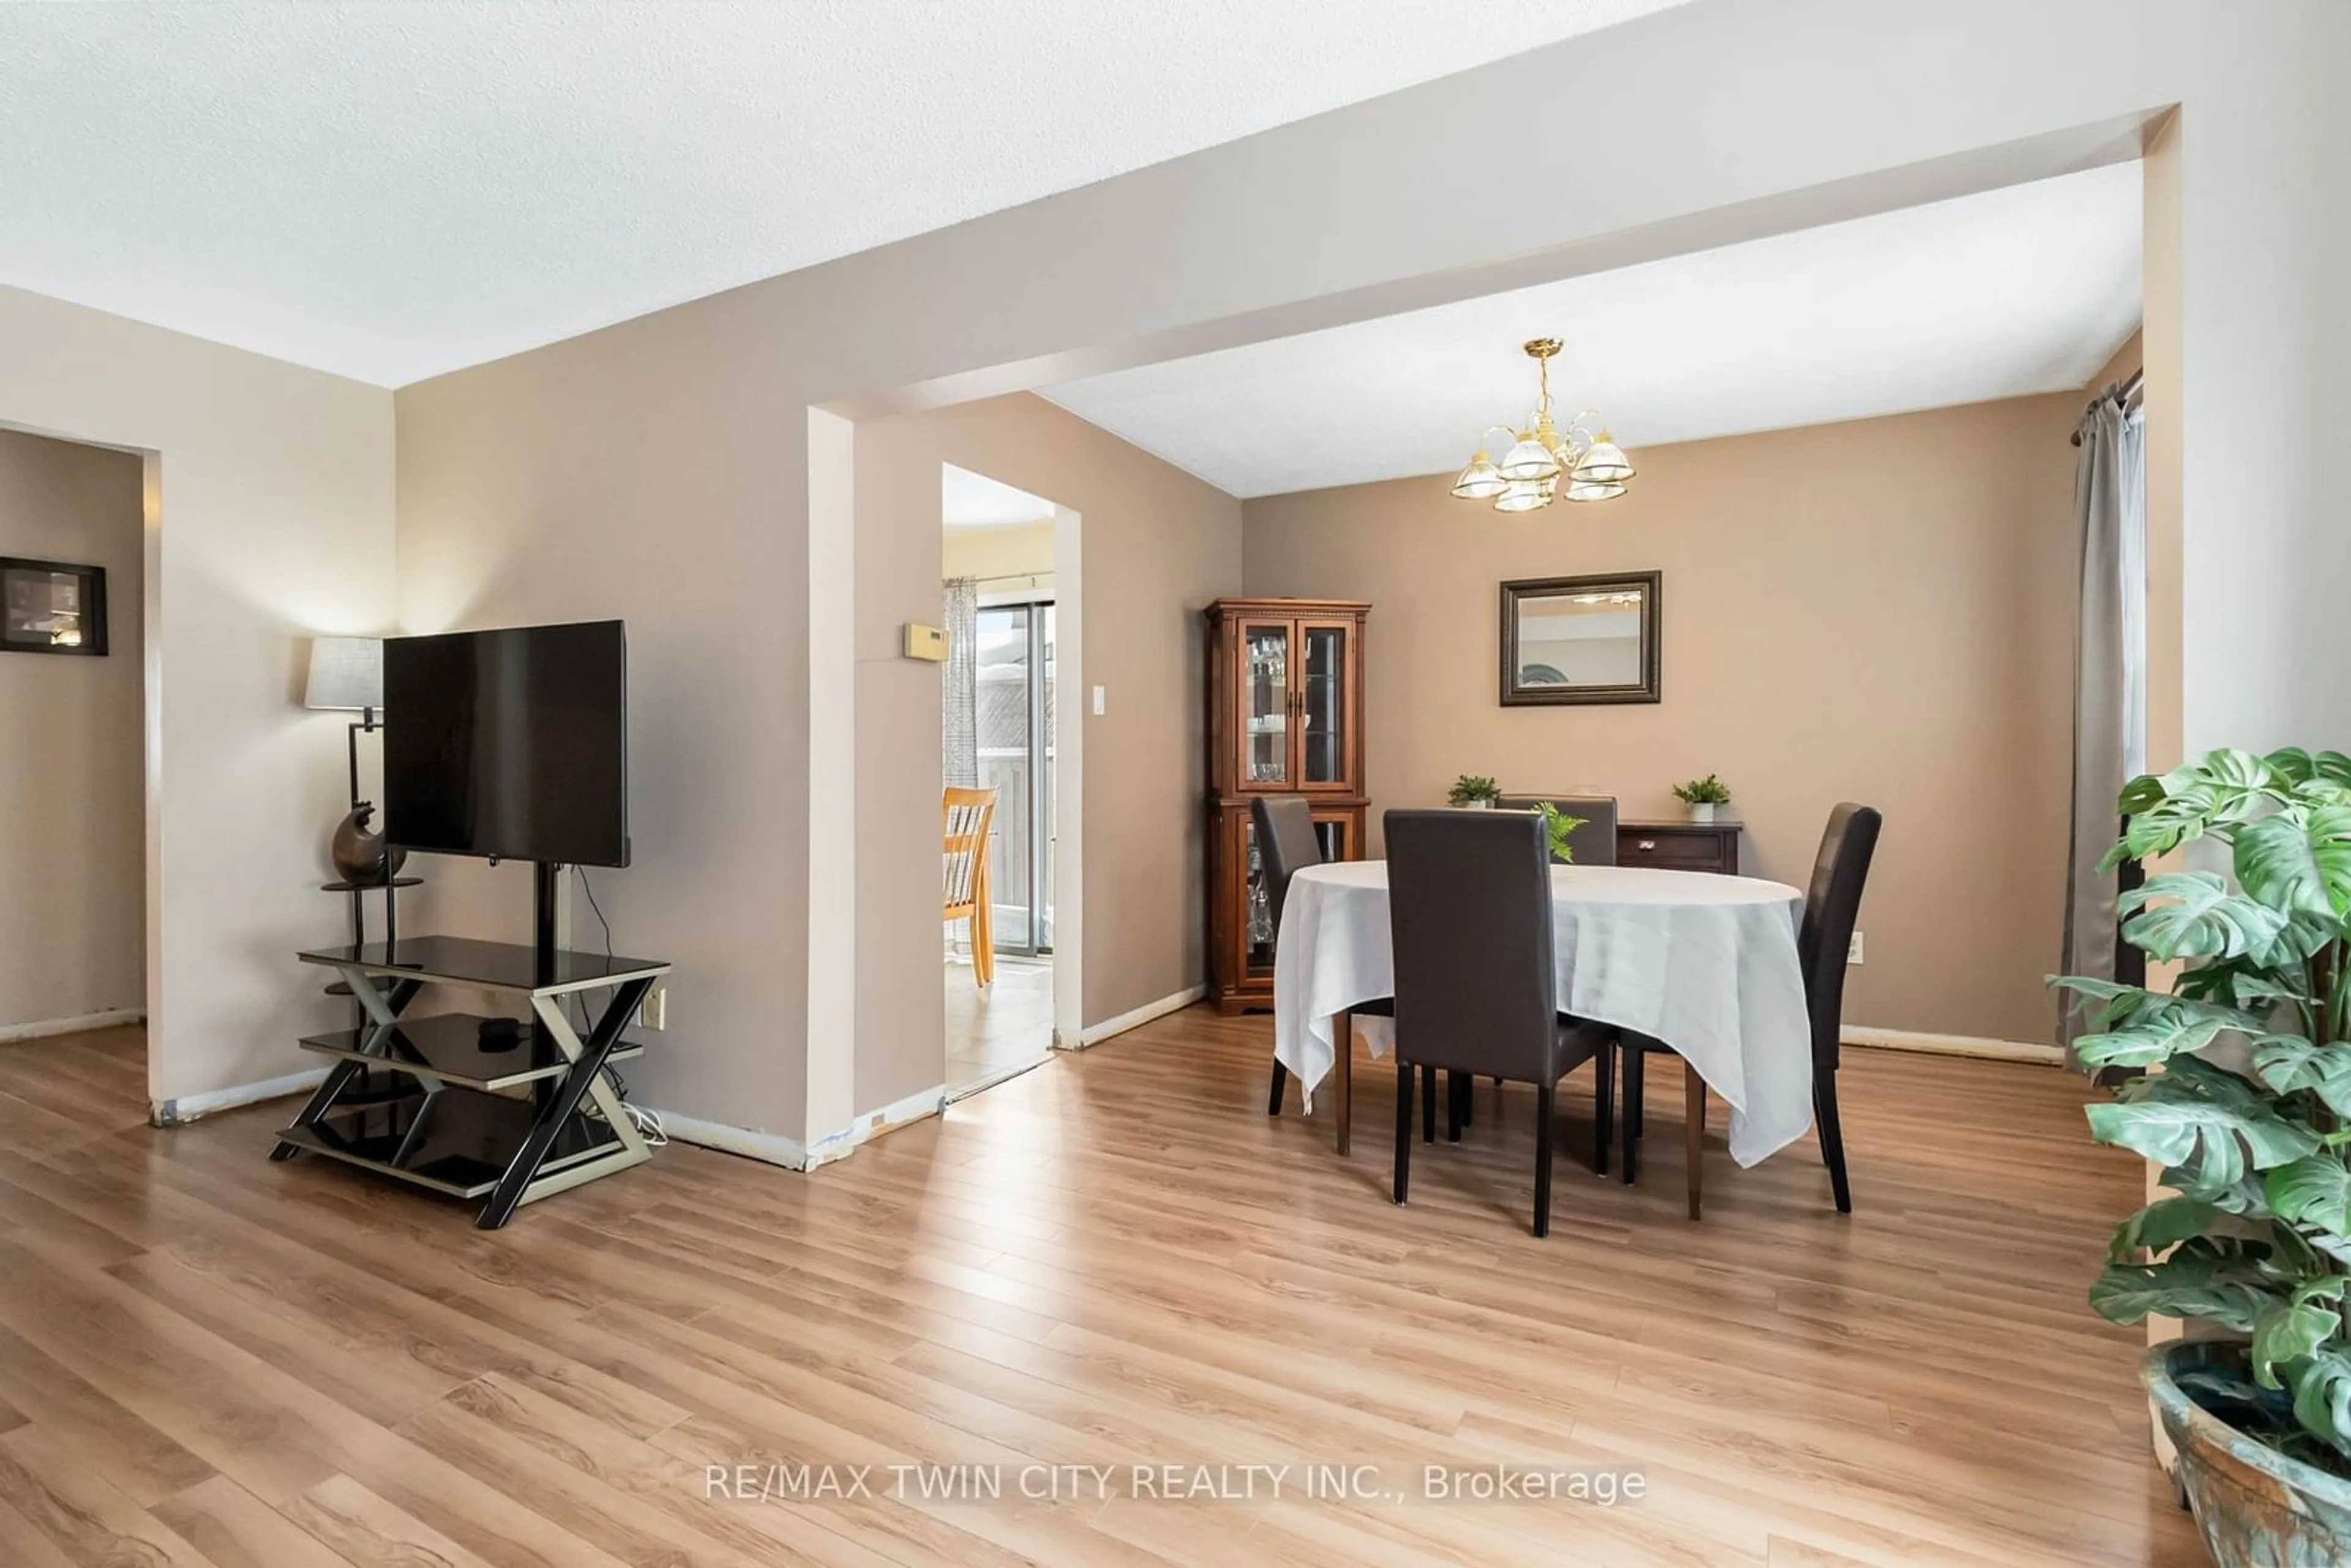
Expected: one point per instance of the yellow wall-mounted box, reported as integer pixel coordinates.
(926, 643)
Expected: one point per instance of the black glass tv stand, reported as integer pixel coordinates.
(435, 1102)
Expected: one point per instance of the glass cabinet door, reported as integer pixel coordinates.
(1258, 931)
(1257, 906)
(1322, 706)
(1265, 706)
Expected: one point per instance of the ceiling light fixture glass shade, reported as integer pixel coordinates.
(1605, 463)
(1480, 481)
(1540, 460)
(1524, 496)
(1530, 459)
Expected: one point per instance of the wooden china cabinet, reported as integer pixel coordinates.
(1285, 716)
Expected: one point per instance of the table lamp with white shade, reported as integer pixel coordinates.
(347, 676)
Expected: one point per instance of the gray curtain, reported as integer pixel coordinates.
(2109, 674)
(959, 762)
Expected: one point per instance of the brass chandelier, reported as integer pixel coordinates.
(1541, 461)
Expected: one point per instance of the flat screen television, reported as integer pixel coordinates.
(512, 743)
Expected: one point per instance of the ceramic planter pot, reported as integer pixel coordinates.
(1701, 810)
(2257, 1508)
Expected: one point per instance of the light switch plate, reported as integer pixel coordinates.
(1852, 950)
(1098, 702)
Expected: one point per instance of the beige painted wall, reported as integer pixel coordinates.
(521, 502)
(268, 513)
(2163, 288)
(641, 474)
(683, 435)
(1026, 549)
(1156, 544)
(2250, 428)
(1880, 612)
(73, 832)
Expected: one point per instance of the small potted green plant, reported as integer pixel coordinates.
(2238, 1088)
(1702, 796)
(1474, 791)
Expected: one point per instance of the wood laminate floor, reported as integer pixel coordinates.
(996, 1030)
(1115, 1260)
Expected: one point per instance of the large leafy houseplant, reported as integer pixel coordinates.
(2240, 1082)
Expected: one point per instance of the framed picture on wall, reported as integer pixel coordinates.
(50, 607)
(1576, 640)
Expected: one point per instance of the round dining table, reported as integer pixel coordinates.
(1706, 964)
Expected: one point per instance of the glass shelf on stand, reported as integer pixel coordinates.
(357, 890)
(500, 1110)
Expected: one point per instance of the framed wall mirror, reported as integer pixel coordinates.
(1568, 640)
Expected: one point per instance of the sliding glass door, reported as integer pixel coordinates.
(1016, 759)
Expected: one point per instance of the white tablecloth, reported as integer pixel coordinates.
(1706, 964)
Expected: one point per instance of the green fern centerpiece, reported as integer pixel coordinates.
(1557, 826)
(2240, 1085)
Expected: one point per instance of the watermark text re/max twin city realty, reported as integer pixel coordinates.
(1173, 1483)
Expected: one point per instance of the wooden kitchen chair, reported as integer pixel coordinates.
(964, 819)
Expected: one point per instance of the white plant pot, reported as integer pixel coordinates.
(1701, 810)
(1477, 805)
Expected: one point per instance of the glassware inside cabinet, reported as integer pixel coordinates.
(1265, 705)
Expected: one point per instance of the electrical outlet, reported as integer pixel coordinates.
(1852, 950)
(654, 1011)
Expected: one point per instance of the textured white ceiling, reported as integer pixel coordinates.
(969, 500)
(394, 190)
(2027, 289)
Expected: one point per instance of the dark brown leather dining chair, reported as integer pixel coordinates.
(1286, 845)
(1831, 907)
(1593, 842)
(1475, 990)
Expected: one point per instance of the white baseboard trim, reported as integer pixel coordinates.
(913, 1108)
(1953, 1045)
(1110, 1027)
(775, 1149)
(188, 1108)
(769, 1148)
(41, 1029)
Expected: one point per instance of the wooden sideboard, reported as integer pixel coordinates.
(1679, 846)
